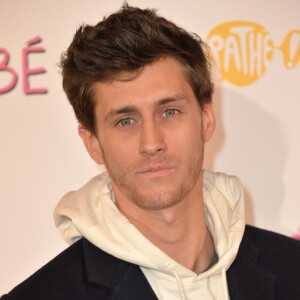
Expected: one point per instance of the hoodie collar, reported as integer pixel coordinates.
(91, 213)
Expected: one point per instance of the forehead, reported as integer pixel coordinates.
(161, 79)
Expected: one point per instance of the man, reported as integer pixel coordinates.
(155, 225)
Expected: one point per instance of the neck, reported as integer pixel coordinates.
(179, 231)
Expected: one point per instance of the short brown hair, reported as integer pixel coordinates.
(126, 41)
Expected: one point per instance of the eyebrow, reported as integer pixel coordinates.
(122, 110)
(175, 98)
(133, 109)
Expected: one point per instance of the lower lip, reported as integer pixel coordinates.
(156, 173)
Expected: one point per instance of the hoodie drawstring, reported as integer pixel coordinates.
(182, 297)
(224, 280)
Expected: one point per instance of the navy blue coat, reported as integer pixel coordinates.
(267, 267)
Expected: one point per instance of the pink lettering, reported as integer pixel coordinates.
(5, 67)
(34, 71)
(297, 235)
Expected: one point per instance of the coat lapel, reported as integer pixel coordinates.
(124, 280)
(246, 280)
(134, 285)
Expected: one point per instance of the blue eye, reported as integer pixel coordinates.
(125, 122)
(170, 112)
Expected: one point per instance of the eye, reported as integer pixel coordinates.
(170, 112)
(125, 122)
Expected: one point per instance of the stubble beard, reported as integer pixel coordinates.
(164, 198)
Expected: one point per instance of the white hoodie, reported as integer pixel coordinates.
(91, 212)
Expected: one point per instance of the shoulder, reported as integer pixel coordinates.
(267, 266)
(277, 255)
(61, 275)
(274, 245)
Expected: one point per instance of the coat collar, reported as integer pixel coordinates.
(246, 280)
(125, 279)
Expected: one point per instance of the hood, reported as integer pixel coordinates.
(91, 212)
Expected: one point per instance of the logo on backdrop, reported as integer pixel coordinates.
(8, 75)
(243, 50)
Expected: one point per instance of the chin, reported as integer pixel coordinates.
(157, 201)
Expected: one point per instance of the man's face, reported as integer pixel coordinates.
(150, 135)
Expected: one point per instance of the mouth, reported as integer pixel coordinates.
(156, 171)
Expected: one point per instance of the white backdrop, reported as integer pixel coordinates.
(256, 101)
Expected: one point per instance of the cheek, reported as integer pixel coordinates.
(190, 134)
(185, 143)
(117, 152)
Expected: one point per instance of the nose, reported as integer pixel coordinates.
(152, 140)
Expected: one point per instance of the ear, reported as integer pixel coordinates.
(91, 144)
(208, 121)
